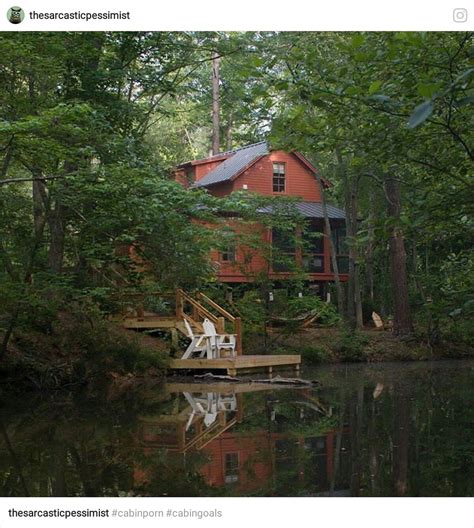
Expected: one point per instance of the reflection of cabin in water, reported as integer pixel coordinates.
(276, 458)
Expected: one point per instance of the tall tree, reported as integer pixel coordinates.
(402, 322)
(216, 121)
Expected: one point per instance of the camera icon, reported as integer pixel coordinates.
(460, 14)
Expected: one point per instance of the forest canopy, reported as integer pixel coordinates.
(92, 124)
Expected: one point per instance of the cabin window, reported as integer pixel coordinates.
(228, 252)
(278, 177)
(340, 245)
(284, 246)
(231, 468)
(313, 250)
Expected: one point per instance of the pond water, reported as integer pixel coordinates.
(382, 430)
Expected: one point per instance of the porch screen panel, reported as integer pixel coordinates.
(340, 244)
(313, 249)
(284, 254)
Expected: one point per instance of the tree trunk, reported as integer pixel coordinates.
(56, 222)
(402, 323)
(369, 258)
(215, 104)
(6, 160)
(354, 304)
(351, 185)
(357, 285)
(39, 204)
(8, 333)
(332, 249)
(230, 125)
(15, 460)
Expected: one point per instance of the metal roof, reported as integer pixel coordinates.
(313, 210)
(232, 166)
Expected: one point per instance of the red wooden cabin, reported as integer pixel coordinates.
(258, 169)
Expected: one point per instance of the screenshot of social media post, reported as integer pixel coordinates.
(236, 264)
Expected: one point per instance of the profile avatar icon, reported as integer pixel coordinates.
(15, 15)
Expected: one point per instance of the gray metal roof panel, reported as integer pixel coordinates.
(313, 210)
(232, 166)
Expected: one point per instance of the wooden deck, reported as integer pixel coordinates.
(239, 364)
(195, 310)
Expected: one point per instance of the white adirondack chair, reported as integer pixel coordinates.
(218, 342)
(200, 344)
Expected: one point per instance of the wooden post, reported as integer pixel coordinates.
(179, 305)
(220, 325)
(238, 332)
(195, 313)
(174, 339)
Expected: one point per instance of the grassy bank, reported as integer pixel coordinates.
(335, 345)
(79, 350)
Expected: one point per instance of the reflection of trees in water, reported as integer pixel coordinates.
(67, 450)
(415, 438)
(412, 435)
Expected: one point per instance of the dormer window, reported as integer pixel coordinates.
(278, 177)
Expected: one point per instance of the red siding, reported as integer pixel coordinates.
(300, 182)
(180, 177)
(248, 260)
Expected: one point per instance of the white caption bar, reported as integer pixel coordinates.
(252, 15)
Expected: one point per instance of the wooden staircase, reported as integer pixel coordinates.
(192, 308)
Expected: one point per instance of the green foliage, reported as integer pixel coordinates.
(298, 306)
(106, 351)
(359, 103)
(351, 347)
(310, 354)
(252, 309)
(99, 119)
(420, 114)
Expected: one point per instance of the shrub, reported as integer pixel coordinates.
(351, 347)
(312, 355)
(327, 313)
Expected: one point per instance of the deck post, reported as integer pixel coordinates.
(174, 339)
(179, 305)
(220, 325)
(195, 313)
(238, 332)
